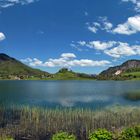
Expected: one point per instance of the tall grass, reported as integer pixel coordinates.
(39, 124)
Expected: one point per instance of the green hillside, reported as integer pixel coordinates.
(132, 75)
(137, 74)
(11, 68)
(65, 74)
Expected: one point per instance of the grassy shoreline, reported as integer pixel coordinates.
(82, 79)
(38, 123)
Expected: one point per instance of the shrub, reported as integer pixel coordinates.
(63, 136)
(128, 134)
(137, 130)
(101, 134)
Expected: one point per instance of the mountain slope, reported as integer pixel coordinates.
(11, 68)
(129, 69)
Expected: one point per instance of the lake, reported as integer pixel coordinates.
(52, 94)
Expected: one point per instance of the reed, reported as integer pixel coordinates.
(38, 123)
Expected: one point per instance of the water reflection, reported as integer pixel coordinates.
(67, 93)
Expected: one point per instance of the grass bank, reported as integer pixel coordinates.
(41, 124)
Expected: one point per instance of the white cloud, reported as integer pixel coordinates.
(66, 60)
(103, 24)
(98, 45)
(32, 62)
(124, 29)
(92, 29)
(131, 26)
(75, 62)
(2, 36)
(106, 24)
(114, 49)
(9, 3)
(36, 62)
(135, 2)
(123, 49)
(82, 43)
(68, 55)
(96, 24)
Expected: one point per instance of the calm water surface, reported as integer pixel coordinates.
(86, 94)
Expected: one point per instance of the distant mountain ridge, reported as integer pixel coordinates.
(11, 68)
(128, 66)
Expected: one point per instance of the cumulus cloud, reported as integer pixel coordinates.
(2, 36)
(114, 49)
(66, 60)
(131, 26)
(68, 55)
(75, 63)
(98, 45)
(123, 49)
(9, 3)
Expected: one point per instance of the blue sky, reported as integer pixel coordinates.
(83, 35)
